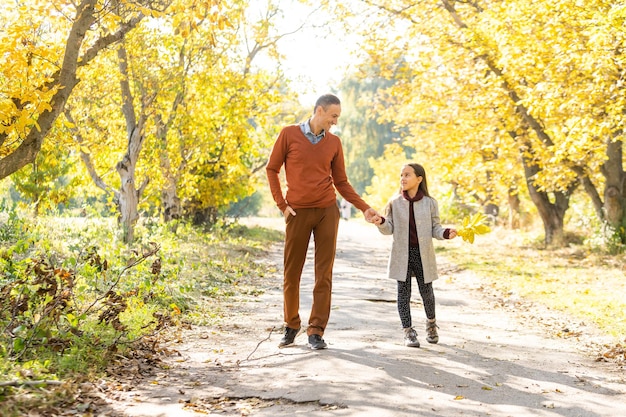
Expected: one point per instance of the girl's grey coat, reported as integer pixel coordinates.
(396, 223)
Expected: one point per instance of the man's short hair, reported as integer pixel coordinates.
(326, 100)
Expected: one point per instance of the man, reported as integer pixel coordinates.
(314, 169)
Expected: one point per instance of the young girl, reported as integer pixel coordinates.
(412, 217)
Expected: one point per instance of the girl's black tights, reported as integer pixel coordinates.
(404, 290)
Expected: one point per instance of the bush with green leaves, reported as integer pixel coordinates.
(71, 309)
(73, 296)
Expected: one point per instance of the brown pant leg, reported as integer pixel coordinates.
(297, 235)
(325, 234)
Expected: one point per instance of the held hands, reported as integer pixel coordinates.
(372, 216)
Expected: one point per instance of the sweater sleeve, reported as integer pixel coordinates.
(273, 167)
(341, 183)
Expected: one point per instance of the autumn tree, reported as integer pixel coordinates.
(47, 183)
(363, 136)
(124, 138)
(43, 44)
(192, 106)
(211, 149)
(542, 96)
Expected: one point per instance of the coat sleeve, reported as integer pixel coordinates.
(387, 227)
(438, 229)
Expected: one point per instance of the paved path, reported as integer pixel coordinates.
(487, 363)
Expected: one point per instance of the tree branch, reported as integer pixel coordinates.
(65, 79)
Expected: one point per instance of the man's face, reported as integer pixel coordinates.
(328, 118)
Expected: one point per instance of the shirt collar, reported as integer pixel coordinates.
(306, 129)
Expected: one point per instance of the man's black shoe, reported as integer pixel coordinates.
(316, 342)
(288, 338)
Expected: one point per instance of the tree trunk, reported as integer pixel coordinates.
(205, 217)
(171, 204)
(65, 78)
(552, 214)
(129, 193)
(514, 210)
(170, 201)
(128, 199)
(615, 188)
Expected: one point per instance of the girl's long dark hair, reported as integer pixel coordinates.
(420, 172)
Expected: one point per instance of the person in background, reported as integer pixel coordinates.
(412, 217)
(314, 169)
(346, 209)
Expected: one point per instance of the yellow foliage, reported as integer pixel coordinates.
(467, 82)
(473, 225)
(208, 116)
(386, 180)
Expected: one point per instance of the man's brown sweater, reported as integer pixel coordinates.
(310, 172)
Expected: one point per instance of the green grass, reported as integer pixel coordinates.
(184, 282)
(577, 280)
(199, 270)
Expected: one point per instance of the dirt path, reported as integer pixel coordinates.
(490, 361)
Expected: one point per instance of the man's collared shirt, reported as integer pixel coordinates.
(305, 127)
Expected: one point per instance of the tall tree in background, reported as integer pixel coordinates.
(47, 183)
(541, 95)
(134, 104)
(40, 73)
(192, 100)
(363, 136)
(229, 102)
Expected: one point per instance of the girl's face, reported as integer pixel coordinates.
(408, 180)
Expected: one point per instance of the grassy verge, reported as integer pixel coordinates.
(76, 301)
(584, 284)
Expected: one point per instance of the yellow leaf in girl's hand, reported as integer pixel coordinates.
(473, 226)
(481, 229)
